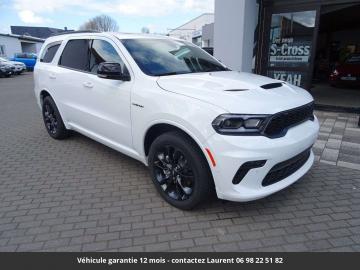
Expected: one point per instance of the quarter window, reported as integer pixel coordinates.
(76, 55)
(50, 53)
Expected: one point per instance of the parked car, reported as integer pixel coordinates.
(29, 59)
(6, 69)
(18, 66)
(197, 125)
(347, 73)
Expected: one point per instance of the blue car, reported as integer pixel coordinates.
(29, 59)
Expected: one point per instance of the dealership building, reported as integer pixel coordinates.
(301, 42)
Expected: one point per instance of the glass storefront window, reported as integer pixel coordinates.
(290, 45)
(291, 37)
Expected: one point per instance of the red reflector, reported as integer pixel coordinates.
(211, 157)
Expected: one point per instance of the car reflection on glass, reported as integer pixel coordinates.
(347, 73)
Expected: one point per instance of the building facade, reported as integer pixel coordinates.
(11, 44)
(192, 31)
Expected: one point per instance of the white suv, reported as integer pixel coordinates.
(199, 126)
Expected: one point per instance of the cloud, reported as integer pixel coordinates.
(27, 16)
(30, 12)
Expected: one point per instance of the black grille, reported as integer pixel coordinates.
(281, 122)
(286, 168)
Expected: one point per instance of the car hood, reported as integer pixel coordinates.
(7, 63)
(237, 92)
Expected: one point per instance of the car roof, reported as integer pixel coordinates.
(107, 34)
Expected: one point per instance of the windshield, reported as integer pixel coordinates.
(159, 57)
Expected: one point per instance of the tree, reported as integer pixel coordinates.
(102, 23)
(145, 30)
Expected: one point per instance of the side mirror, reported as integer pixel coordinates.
(113, 71)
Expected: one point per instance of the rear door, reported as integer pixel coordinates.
(68, 78)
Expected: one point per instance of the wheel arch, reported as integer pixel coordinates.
(160, 128)
(43, 94)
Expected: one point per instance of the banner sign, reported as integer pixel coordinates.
(293, 77)
(288, 52)
(238, 260)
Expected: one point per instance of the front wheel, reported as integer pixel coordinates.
(179, 170)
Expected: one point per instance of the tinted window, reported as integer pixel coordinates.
(103, 51)
(157, 57)
(76, 54)
(50, 53)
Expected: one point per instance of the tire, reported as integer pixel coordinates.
(173, 154)
(52, 120)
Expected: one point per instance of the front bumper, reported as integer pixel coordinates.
(230, 152)
(19, 68)
(6, 71)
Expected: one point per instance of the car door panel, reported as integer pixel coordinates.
(97, 105)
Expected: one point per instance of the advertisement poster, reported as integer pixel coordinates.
(293, 77)
(289, 52)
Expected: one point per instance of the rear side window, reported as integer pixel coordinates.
(103, 51)
(76, 54)
(50, 53)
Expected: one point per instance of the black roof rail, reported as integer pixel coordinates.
(75, 32)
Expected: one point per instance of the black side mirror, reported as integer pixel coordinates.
(113, 71)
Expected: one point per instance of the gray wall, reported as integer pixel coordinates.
(235, 23)
(208, 35)
(12, 45)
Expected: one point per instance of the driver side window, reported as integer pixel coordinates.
(102, 51)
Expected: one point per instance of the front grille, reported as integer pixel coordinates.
(281, 122)
(286, 168)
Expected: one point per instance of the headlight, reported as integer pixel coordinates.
(238, 124)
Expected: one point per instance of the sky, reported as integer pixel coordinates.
(131, 15)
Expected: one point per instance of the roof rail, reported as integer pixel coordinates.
(75, 32)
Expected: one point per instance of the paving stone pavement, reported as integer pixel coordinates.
(339, 140)
(78, 195)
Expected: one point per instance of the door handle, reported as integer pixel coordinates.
(88, 84)
(52, 76)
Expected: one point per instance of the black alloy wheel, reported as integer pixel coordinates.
(52, 120)
(174, 173)
(179, 171)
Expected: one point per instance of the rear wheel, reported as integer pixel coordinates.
(179, 171)
(52, 120)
